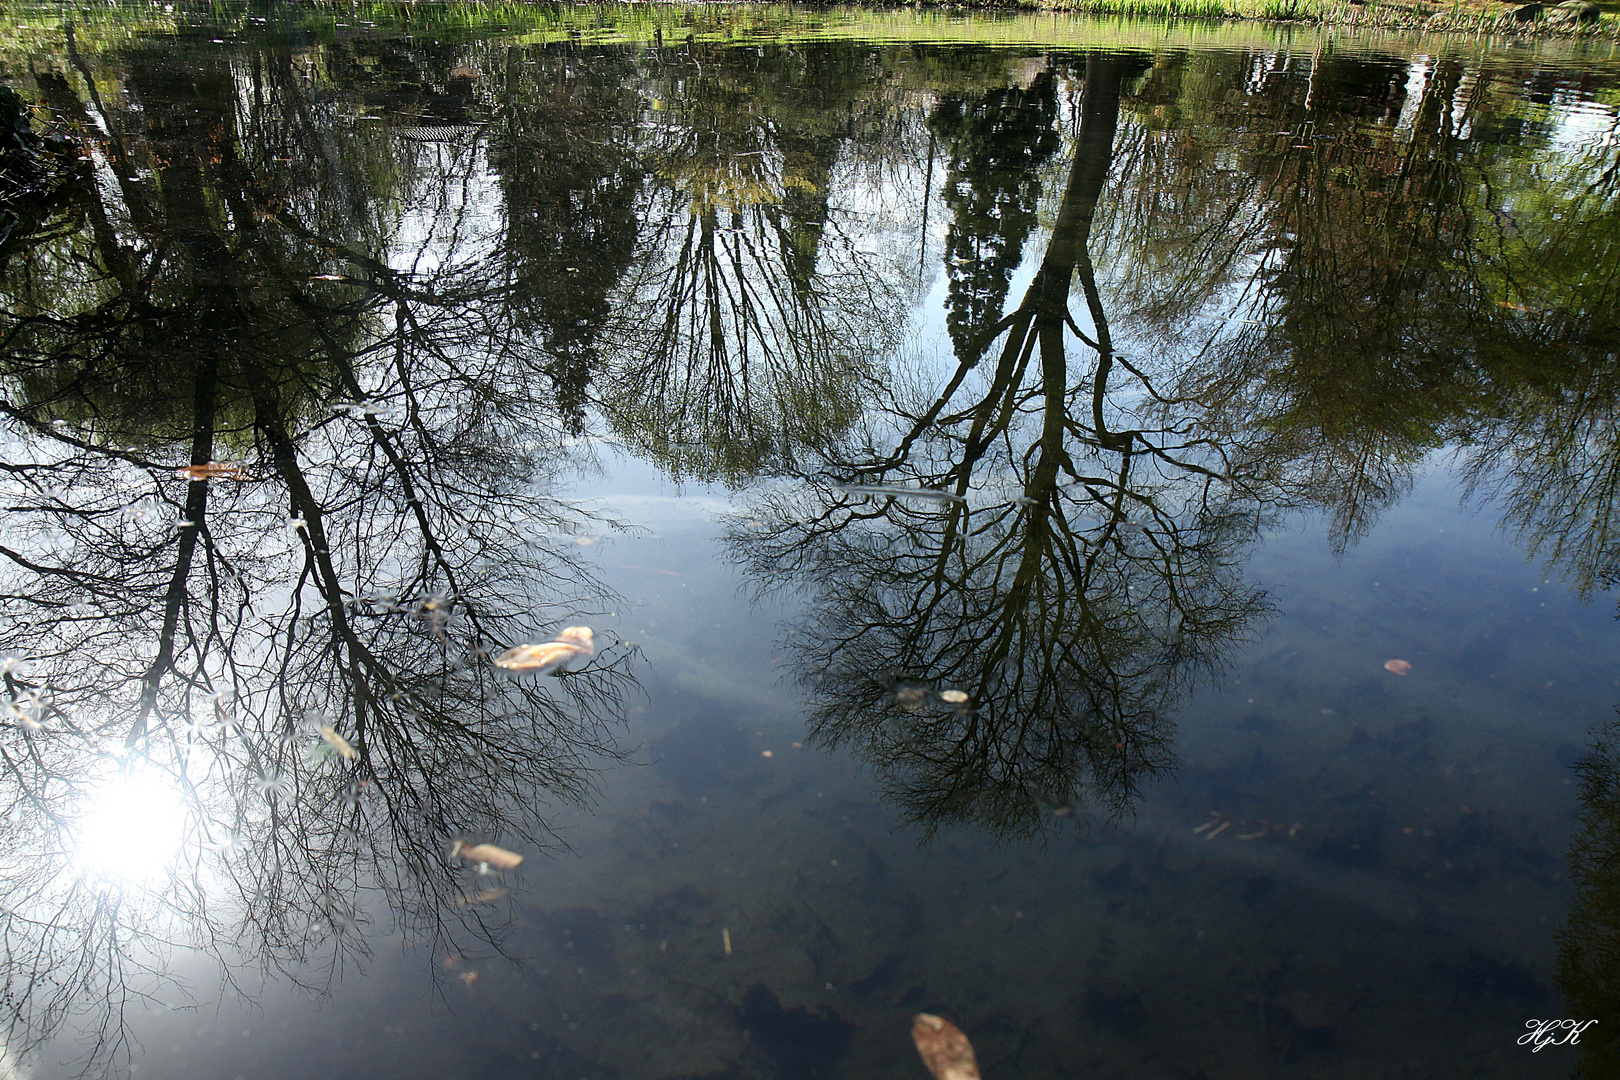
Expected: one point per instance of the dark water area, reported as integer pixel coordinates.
(1100, 531)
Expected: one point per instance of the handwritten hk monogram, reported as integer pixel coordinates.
(1553, 1033)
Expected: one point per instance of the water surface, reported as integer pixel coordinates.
(1097, 530)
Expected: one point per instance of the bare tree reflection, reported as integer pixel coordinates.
(754, 310)
(1018, 653)
(193, 637)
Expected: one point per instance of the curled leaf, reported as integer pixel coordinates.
(944, 1049)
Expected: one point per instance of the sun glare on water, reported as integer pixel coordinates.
(131, 827)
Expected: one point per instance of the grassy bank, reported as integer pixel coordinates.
(1453, 16)
(1472, 17)
(962, 21)
(1059, 24)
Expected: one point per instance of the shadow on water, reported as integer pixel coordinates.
(801, 1043)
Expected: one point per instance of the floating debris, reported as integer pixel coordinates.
(337, 742)
(572, 643)
(911, 698)
(363, 408)
(766, 753)
(498, 857)
(953, 697)
(1055, 805)
(213, 470)
(725, 938)
(900, 491)
(482, 896)
(327, 277)
(468, 977)
(1258, 827)
(943, 1048)
(1398, 667)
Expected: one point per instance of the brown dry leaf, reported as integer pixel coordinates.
(581, 637)
(213, 470)
(572, 643)
(943, 1048)
(338, 743)
(547, 657)
(498, 857)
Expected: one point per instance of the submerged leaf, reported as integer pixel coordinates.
(944, 1049)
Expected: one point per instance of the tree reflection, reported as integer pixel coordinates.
(1547, 448)
(1588, 968)
(391, 324)
(194, 636)
(1082, 584)
(1406, 293)
(754, 310)
(570, 176)
(996, 145)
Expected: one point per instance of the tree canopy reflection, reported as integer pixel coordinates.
(387, 530)
(1305, 330)
(755, 308)
(1084, 583)
(393, 278)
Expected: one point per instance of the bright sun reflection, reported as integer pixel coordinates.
(131, 827)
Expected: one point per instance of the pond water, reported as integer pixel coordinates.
(1097, 530)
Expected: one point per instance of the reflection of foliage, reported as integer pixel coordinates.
(996, 145)
(570, 178)
(35, 171)
(186, 634)
(1548, 445)
(752, 312)
(1349, 356)
(1072, 613)
(1589, 945)
(1398, 299)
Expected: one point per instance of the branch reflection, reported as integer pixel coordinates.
(1014, 652)
(272, 505)
(756, 307)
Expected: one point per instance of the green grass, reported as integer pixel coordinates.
(1020, 23)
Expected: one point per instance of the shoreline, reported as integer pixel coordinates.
(1473, 17)
(736, 21)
